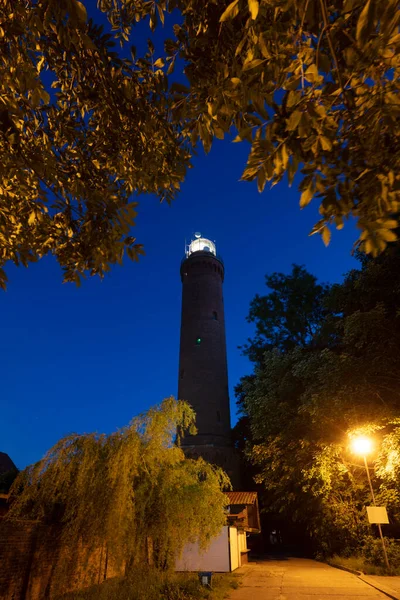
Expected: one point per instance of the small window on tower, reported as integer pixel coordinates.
(182, 373)
(198, 341)
(215, 315)
(218, 416)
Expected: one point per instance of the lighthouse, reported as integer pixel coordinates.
(203, 372)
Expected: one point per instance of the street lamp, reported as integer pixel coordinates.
(363, 446)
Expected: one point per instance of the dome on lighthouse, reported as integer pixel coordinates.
(201, 244)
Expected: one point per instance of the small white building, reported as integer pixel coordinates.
(228, 550)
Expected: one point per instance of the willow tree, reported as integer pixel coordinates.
(122, 490)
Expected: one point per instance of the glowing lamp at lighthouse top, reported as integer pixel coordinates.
(201, 244)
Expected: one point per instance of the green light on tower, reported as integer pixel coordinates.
(198, 341)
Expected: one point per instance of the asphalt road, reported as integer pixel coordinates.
(300, 579)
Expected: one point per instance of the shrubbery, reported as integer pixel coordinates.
(373, 553)
(150, 584)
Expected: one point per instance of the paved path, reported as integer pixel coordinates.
(390, 585)
(300, 579)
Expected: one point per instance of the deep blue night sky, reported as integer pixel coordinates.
(90, 358)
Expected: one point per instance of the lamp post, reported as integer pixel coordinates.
(363, 446)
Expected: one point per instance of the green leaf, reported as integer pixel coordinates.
(294, 120)
(292, 98)
(312, 73)
(363, 21)
(291, 170)
(45, 96)
(326, 235)
(3, 279)
(325, 143)
(261, 179)
(88, 43)
(161, 14)
(241, 45)
(35, 97)
(285, 156)
(253, 64)
(171, 67)
(244, 134)
(80, 11)
(230, 12)
(390, 224)
(253, 8)
(263, 47)
(306, 196)
(388, 235)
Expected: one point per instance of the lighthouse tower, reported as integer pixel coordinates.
(203, 373)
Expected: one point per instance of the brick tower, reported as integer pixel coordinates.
(203, 373)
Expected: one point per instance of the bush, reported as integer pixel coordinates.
(151, 584)
(373, 552)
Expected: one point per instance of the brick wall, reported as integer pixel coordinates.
(34, 565)
(203, 371)
(203, 374)
(16, 549)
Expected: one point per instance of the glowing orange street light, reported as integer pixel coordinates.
(363, 446)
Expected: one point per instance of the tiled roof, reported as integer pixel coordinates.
(6, 464)
(242, 497)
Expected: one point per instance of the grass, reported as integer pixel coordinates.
(223, 584)
(357, 563)
(149, 584)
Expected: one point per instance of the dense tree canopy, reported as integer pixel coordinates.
(305, 403)
(82, 131)
(311, 85)
(291, 314)
(119, 491)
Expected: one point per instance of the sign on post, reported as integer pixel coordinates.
(377, 515)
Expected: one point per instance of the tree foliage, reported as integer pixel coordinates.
(313, 86)
(305, 403)
(290, 315)
(122, 490)
(82, 130)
